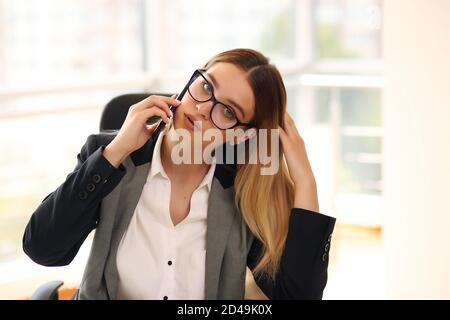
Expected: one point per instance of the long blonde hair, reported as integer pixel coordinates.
(265, 201)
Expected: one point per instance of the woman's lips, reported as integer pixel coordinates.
(189, 124)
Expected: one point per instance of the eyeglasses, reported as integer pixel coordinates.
(223, 116)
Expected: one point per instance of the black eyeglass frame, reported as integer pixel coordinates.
(199, 72)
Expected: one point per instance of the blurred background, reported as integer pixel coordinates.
(368, 86)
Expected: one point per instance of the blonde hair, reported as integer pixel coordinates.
(265, 201)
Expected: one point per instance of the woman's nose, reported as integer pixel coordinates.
(204, 108)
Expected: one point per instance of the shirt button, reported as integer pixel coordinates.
(169, 263)
(165, 298)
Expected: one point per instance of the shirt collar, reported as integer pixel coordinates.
(156, 165)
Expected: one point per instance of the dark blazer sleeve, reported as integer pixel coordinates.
(304, 263)
(64, 219)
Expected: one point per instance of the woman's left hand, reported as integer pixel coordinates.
(299, 166)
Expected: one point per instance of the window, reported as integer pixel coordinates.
(60, 62)
(214, 26)
(339, 106)
(347, 29)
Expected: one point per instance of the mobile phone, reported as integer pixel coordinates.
(162, 124)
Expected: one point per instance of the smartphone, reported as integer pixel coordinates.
(162, 124)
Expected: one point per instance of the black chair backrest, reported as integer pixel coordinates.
(116, 110)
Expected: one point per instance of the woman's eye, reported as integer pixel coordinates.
(228, 113)
(207, 87)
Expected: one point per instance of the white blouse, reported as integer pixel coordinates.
(155, 259)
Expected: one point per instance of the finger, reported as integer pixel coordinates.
(144, 103)
(287, 127)
(291, 127)
(153, 99)
(288, 116)
(288, 121)
(171, 100)
(154, 111)
(151, 128)
(164, 106)
(284, 138)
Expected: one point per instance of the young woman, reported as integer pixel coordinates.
(168, 230)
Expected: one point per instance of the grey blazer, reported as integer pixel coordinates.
(98, 196)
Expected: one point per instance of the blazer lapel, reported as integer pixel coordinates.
(221, 213)
(131, 191)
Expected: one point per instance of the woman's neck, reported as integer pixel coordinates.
(183, 171)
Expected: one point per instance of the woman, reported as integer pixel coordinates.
(167, 230)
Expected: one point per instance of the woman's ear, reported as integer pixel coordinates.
(248, 134)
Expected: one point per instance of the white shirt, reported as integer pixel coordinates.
(155, 259)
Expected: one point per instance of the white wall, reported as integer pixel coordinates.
(417, 148)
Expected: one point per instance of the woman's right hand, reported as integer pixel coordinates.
(135, 132)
